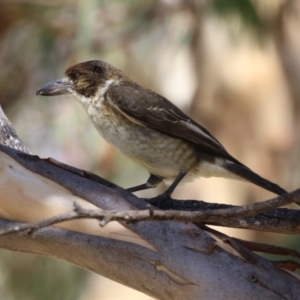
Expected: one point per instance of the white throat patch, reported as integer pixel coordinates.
(99, 96)
(100, 93)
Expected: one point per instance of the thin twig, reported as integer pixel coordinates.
(149, 214)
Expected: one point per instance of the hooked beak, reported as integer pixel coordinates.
(55, 88)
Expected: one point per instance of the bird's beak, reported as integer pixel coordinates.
(55, 88)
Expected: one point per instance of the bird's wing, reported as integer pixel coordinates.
(146, 108)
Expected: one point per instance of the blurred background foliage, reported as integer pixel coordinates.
(233, 65)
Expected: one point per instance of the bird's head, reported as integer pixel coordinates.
(85, 80)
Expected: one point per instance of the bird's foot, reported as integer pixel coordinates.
(160, 200)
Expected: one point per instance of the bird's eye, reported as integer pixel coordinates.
(74, 76)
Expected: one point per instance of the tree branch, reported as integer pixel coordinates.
(166, 260)
(215, 217)
(280, 220)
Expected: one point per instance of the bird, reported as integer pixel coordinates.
(149, 129)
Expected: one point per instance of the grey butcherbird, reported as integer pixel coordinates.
(149, 129)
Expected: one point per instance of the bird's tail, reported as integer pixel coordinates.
(245, 173)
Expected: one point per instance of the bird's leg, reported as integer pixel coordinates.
(174, 184)
(152, 182)
(157, 201)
